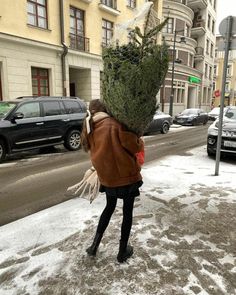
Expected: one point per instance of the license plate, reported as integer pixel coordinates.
(230, 143)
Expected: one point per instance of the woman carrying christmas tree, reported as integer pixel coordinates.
(113, 154)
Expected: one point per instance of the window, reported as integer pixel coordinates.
(179, 91)
(29, 110)
(169, 27)
(206, 70)
(212, 47)
(229, 70)
(209, 22)
(213, 27)
(37, 13)
(110, 3)
(77, 33)
(72, 107)
(40, 82)
(191, 60)
(227, 87)
(51, 108)
(131, 3)
(210, 72)
(107, 32)
(207, 46)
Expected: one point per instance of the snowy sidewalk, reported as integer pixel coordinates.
(184, 238)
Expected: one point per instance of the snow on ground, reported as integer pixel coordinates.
(183, 235)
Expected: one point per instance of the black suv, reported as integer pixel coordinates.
(34, 122)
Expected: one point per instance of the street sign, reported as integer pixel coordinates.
(217, 93)
(224, 26)
(193, 79)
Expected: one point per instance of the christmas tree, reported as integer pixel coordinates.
(133, 74)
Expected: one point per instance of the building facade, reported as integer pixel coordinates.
(230, 85)
(53, 47)
(191, 30)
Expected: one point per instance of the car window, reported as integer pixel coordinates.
(231, 114)
(51, 108)
(29, 110)
(5, 108)
(72, 107)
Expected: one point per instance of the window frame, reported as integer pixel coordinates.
(36, 15)
(39, 78)
(106, 29)
(169, 27)
(132, 3)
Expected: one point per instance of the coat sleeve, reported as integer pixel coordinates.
(131, 142)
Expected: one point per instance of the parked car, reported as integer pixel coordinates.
(192, 116)
(214, 114)
(228, 143)
(35, 122)
(161, 122)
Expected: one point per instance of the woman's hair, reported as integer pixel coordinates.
(95, 106)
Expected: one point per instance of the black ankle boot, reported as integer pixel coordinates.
(125, 252)
(93, 248)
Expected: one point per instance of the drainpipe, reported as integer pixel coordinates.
(65, 49)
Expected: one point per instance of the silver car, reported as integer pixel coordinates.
(228, 144)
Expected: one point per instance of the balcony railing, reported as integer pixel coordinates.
(79, 42)
(109, 3)
(199, 24)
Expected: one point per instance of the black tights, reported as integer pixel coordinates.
(128, 204)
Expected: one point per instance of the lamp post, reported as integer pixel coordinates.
(182, 40)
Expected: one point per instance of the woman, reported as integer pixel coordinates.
(112, 150)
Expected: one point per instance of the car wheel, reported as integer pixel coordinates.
(210, 153)
(194, 122)
(2, 151)
(165, 128)
(204, 123)
(73, 140)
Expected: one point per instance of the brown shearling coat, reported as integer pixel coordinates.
(112, 152)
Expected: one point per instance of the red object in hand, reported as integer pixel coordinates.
(140, 157)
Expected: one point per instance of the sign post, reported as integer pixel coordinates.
(227, 28)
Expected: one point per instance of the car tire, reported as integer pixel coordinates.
(204, 123)
(73, 140)
(165, 128)
(2, 151)
(210, 154)
(194, 122)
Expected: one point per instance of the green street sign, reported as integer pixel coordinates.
(193, 79)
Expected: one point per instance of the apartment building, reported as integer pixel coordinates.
(191, 30)
(230, 85)
(53, 47)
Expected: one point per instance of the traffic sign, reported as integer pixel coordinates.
(223, 28)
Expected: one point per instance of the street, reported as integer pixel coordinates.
(38, 181)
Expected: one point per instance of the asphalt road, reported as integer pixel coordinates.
(32, 182)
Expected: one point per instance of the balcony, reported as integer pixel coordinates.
(80, 43)
(197, 4)
(198, 28)
(199, 55)
(109, 6)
